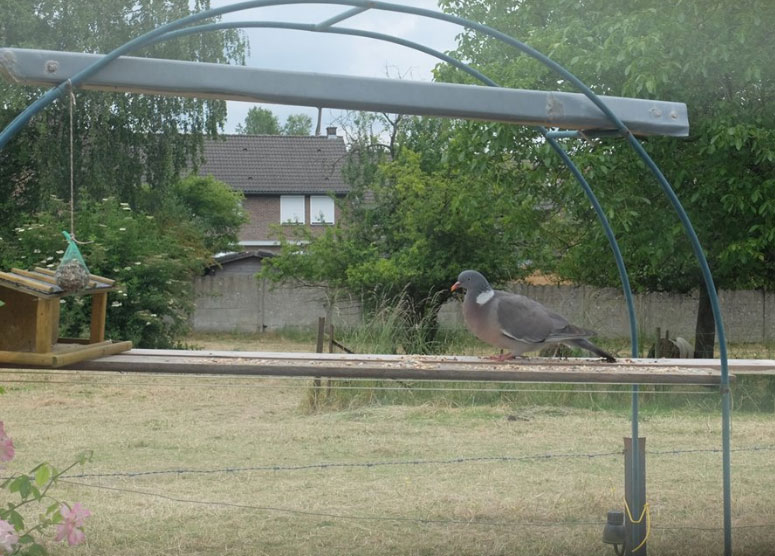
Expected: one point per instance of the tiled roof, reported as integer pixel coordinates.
(276, 163)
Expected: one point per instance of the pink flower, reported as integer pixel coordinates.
(70, 528)
(6, 445)
(7, 536)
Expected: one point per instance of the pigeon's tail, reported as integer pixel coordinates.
(589, 346)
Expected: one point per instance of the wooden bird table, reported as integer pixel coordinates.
(29, 320)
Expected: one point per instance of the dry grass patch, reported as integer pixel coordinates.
(555, 505)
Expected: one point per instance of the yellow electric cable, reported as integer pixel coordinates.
(645, 513)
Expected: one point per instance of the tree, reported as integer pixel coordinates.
(297, 124)
(260, 121)
(145, 227)
(714, 56)
(213, 207)
(410, 225)
(121, 141)
(153, 256)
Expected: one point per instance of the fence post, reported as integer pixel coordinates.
(636, 532)
(321, 334)
(318, 349)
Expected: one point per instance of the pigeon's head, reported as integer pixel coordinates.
(471, 280)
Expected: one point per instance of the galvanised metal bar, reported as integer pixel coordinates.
(43, 101)
(149, 75)
(637, 503)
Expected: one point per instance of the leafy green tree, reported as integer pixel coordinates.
(213, 207)
(153, 257)
(714, 56)
(408, 228)
(297, 124)
(121, 141)
(260, 121)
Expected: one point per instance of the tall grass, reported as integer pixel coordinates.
(394, 326)
(755, 394)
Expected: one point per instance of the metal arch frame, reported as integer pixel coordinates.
(358, 6)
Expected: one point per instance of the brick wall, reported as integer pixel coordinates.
(263, 211)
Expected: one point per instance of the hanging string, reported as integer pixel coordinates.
(72, 180)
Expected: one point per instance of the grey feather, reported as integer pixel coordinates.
(515, 322)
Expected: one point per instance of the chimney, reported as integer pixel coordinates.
(331, 132)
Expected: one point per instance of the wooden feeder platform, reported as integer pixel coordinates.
(407, 367)
(29, 329)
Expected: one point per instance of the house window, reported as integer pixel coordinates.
(292, 209)
(321, 209)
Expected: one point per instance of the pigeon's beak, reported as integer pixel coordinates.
(455, 286)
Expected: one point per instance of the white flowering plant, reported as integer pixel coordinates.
(152, 260)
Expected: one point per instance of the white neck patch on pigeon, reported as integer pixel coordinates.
(484, 297)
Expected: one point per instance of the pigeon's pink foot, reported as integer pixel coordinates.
(502, 357)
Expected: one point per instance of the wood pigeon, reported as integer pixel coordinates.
(515, 322)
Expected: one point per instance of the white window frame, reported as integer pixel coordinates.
(292, 209)
(322, 205)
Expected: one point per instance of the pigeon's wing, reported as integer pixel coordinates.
(522, 319)
(565, 330)
(526, 320)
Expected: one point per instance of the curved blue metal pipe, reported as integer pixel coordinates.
(51, 95)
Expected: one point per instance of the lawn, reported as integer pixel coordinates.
(244, 466)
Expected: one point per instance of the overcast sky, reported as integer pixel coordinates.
(336, 54)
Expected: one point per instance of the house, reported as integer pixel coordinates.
(286, 179)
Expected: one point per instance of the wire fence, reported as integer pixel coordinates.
(94, 480)
(69, 479)
(372, 464)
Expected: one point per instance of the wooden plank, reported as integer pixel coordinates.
(737, 366)
(407, 367)
(26, 359)
(46, 324)
(38, 288)
(17, 332)
(101, 280)
(62, 355)
(46, 278)
(92, 351)
(99, 306)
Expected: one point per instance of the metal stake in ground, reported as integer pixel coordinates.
(635, 518)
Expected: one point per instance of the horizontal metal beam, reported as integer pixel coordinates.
(205, 80)
(407, 367)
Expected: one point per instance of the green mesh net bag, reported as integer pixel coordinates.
(72, 274)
